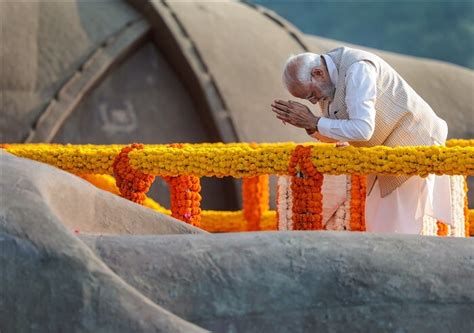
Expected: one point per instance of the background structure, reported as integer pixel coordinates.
(161, 72)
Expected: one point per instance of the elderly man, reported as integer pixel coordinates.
(365, 102)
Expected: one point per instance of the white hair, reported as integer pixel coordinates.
(304, 63)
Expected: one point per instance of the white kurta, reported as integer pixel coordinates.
(401, 211)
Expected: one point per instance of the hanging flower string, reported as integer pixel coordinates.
(467, 221)
(358, 190)
(133, 184)
(442, 229)
(306, 188)
(185, 197)
(255, 197)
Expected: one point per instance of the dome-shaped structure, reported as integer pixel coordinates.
(163, 71)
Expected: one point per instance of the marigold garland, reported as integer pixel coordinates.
(467, 222)
(185, 197)
(471, 222)
(306, 188)
(133, 184)
(358, 194)
(255, 199)
(242, 160)
(443, 229)
(211, 220)
(460, 143)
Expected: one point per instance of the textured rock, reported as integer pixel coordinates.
(50, 281)
(302, 281)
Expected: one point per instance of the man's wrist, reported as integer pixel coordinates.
(314, 128)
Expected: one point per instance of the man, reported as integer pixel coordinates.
(365, 102)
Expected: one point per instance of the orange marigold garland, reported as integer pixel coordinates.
(133, 184)
(466, 209)
(185, 197)
(442, 228)
(358, 193)
(255, 197)
(306, 188)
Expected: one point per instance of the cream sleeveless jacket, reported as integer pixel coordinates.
(402, 117)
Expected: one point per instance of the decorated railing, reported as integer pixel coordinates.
(301, 169)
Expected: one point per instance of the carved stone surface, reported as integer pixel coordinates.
(50, 281)
(301, 281)
(43, 45)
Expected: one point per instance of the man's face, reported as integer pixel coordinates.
(313, 91)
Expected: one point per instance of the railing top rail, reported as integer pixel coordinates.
(250, 159)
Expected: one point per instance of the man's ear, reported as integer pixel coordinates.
(318, 73)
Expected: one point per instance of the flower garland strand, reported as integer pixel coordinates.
(442, 229)
(185, 197)
(471, 222)
(306, 187)
(255, 197)
(133, 184)
(211, 220)
(358, 193)
(467, 222)
(242, 160)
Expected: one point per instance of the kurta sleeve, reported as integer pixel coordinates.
(361, 92)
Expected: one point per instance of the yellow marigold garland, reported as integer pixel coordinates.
(133, 184)
(242, 160)
(460, 143)
(255, 198)
(222, 221)
(306, 187)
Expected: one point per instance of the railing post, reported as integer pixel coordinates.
(185, 198)
(255, 198)
(358, 196)
(306, 185)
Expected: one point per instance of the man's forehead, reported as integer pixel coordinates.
(299, 90)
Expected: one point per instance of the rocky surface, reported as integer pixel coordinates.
(156, 274)
(50, 281)
(301, 281)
